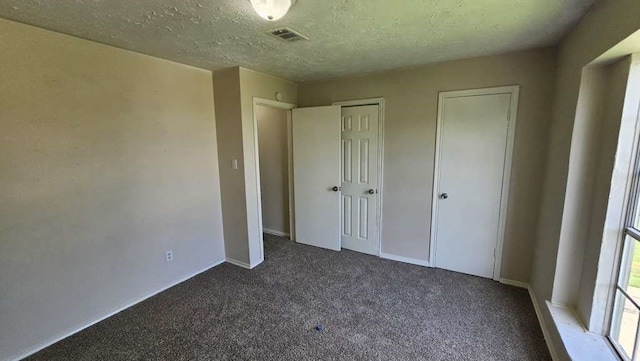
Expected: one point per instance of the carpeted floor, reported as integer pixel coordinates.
(371, 309)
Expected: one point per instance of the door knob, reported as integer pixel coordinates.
(371, 191)
(444, 196)
(336, 188)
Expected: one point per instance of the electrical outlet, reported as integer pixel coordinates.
(169, 256)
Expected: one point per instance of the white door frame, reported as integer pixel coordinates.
(380, 103)
(504, 199)
(280, 105)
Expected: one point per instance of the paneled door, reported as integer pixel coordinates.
(475, 137)
(360, 178)
(316, 176)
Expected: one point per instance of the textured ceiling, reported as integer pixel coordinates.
(345, 36)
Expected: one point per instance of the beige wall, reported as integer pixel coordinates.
(586, 143)
(273, 141)
(411, 97)
(226, 85)
(108, 159)
(237, 136)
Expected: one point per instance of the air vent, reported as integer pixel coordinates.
(287, 35)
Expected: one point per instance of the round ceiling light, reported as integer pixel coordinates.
(272, 10)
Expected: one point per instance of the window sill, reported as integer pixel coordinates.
(578, 342)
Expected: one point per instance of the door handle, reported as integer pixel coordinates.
(371, 191)
(444, 196)
(336, 188)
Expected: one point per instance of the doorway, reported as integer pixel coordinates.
(272, 130)
(474, 146)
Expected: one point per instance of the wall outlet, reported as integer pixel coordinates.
(169, 256)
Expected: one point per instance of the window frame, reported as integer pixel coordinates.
(630, 231)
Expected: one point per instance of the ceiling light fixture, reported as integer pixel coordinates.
(272, 10)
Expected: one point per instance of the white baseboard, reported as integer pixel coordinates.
(243, 264)
(257, 263)
(131, 303)
(275, 233)
(543, 326)
(514, 283)
(414, 261)
(238, 263)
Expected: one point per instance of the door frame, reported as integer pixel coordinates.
(380, 103)
(280, 105)
(514, 90)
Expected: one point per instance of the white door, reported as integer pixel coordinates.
(316, 176)
(360, 178)
(474, 147)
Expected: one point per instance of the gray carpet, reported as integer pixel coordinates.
(371, 309)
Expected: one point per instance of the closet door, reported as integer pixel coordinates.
(360, 178)
(471, 180)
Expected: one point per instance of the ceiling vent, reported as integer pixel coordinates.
(286, 34)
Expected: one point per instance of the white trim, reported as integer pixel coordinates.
(243, 264)
(114, 311)
(504, 199)
(381, 110)
(292, 214)
(273, 232)
(543, 326)
(280, 105)
(238, 263)
(414, 261)
(506, 281)
(273, 103)
(356, 102)
(506, 178)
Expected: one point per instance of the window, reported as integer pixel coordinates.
(625, 322)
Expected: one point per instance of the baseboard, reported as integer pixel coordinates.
(543, 326)
(131, 303)
(238, 263)
(414, 261)
(275, 233)
(514, 283)
(257, 263)
(243, 264)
